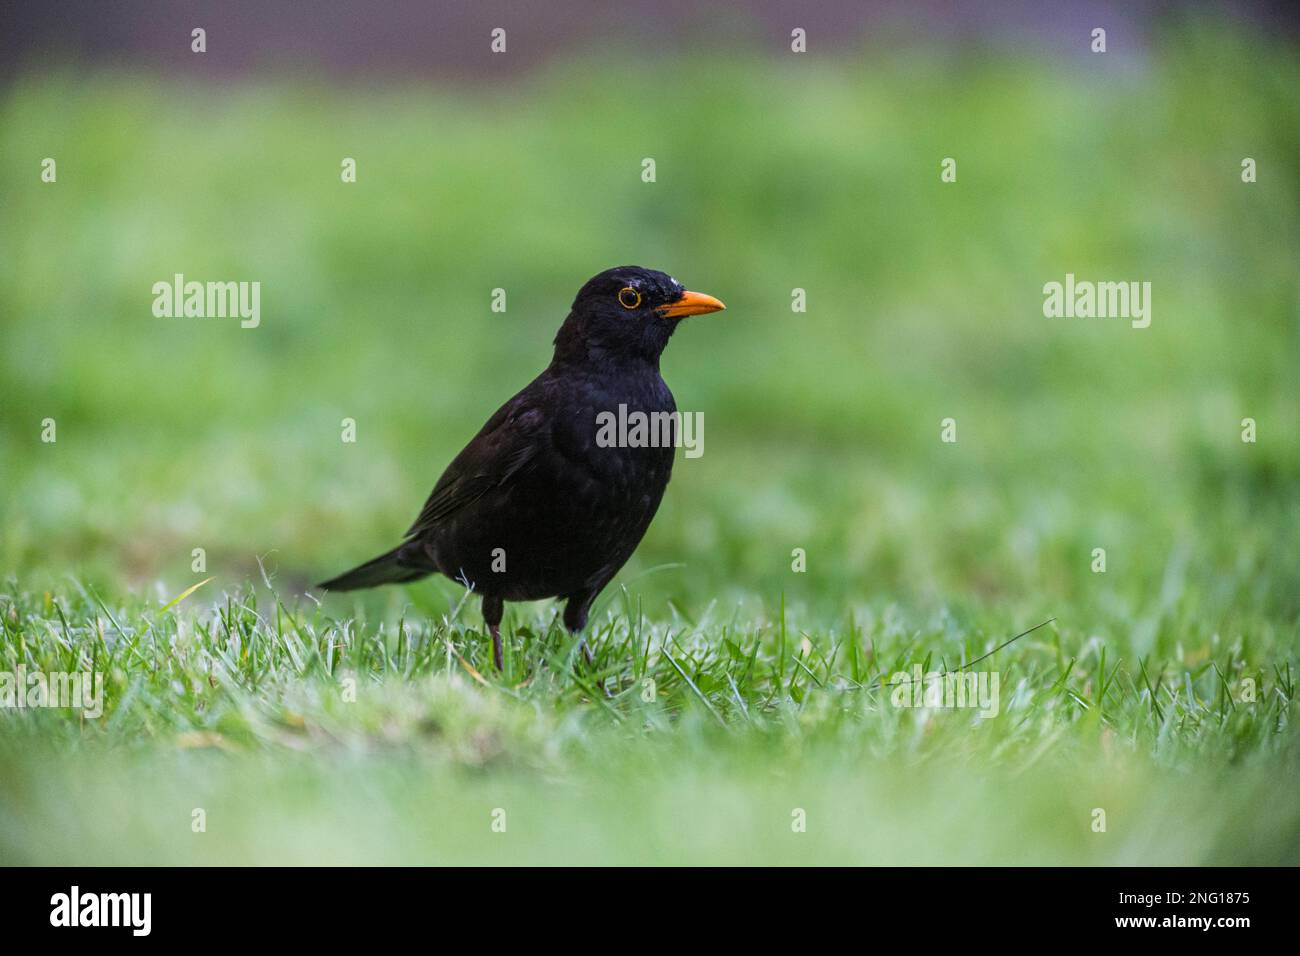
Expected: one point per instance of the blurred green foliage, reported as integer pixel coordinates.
(822, 428)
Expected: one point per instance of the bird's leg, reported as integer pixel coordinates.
(493, 608)
(575, 619)
(576, 610)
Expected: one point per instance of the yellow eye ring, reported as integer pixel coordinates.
(628, 297)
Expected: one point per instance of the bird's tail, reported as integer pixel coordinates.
(385, 569)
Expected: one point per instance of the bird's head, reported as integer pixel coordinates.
(627, 313)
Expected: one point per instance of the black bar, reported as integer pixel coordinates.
(333, 905)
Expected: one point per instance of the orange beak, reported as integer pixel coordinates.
(691, 303)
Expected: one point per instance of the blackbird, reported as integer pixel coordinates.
(538, 505)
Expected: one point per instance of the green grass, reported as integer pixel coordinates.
(247, 713)
(822, 434)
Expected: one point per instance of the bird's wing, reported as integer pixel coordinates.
(501, 449)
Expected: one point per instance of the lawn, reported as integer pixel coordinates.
(734, 711)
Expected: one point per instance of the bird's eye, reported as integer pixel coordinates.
(628, 297)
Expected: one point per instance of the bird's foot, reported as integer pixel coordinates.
(497, 657)
(590, 658)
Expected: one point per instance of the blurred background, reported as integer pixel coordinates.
(774, 171)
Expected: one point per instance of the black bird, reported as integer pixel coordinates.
(536, 505)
